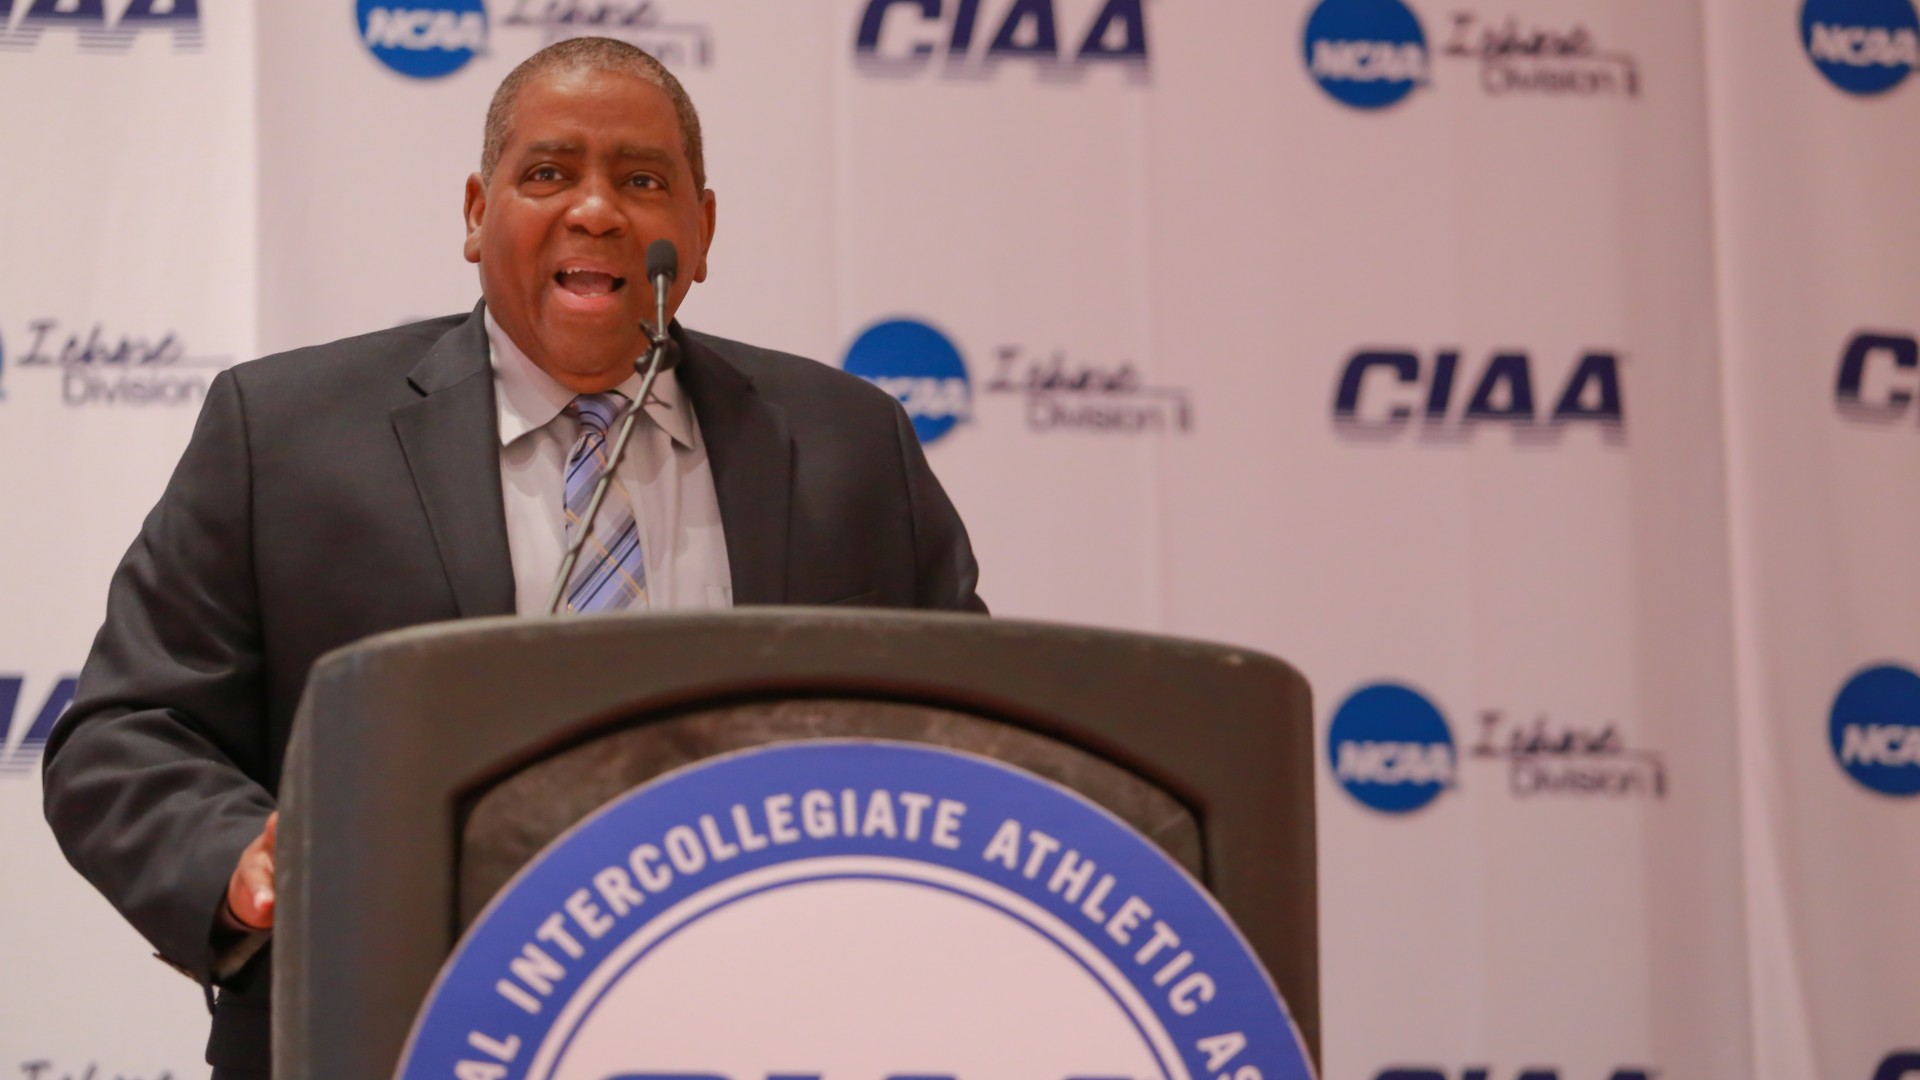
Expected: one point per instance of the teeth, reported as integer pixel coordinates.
(617, 281)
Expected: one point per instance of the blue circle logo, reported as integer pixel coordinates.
(424, 39)
(920, 367)
(1861, 46)
(1390, 748)
(1366, 53)
(1875, 729)
(846, 908)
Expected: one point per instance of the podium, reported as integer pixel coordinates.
(429, 765)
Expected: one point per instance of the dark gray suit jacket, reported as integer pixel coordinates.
(343, 490)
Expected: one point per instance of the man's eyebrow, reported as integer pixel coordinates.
(552, 146)
(630, 152)
(622, 151)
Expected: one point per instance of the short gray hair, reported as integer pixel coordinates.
(592, 54)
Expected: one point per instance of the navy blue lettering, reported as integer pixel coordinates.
(1603, 371)
(1029, 29)
(1346, 401)
(1511, 369)
(1046, 38)
(89, 20)
(9, 700)
(1133, 45)
(28, 752)
(964, 20)
(42, 729)
(140, 14)
(1904, 352)
(92, 12)
(1900, 1065)
(876, 14)
(1441, 392)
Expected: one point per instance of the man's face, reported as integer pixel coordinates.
(593, 171)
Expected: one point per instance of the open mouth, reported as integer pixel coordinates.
(589, 282)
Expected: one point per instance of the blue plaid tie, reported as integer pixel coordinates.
(611, 573)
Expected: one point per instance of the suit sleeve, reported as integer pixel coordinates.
(153, 776)
(945, 573)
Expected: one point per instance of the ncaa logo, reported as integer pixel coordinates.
(1875, 729)
(1390, 748)
(1861, 46)
(852, 910)
(920, 367)
(424, 39)
(1366, 53)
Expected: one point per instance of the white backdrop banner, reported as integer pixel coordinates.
(1813, 138)
(1444, 279)
(1534, 376)
(129, 281)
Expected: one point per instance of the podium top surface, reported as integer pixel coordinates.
(782, 628)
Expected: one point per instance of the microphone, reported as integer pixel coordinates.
(663, 265)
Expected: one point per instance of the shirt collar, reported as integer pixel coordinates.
(527, 399)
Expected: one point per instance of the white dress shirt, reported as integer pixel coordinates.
(665, 473)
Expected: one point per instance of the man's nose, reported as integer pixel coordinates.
(595, 211)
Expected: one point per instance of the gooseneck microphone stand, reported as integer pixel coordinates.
(663, 265)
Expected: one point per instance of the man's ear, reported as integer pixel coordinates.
(709, 208)
(474, 210)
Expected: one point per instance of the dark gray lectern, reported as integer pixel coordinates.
(429, 764)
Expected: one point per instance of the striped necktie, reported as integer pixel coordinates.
(611, 573)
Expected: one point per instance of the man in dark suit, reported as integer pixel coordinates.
(423, 473)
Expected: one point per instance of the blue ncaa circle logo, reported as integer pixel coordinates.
(920, 367)
(1390, 748)
(1861, 46)
(852, 909)
(423, 39)
(1875, 729)
(1366, 53)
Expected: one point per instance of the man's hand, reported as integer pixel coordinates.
(250, 890)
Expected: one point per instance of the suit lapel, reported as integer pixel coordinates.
(451, 441)
(751, 454)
